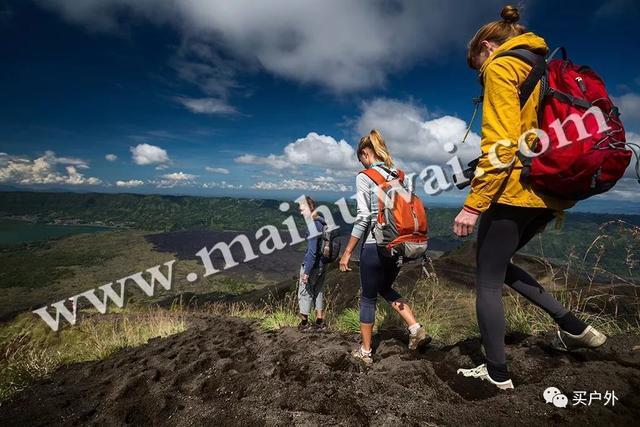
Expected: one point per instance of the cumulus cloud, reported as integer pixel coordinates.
(44, 170)
(414, 138)
(206, 105)
(305, 185)
(276, 162)
(179, 176)
(146, 154)
(629, 105)
(315, 150)
(343, 45)
(223, 171)
(111, 157)
(130, 183)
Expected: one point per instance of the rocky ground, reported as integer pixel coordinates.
(226, 370)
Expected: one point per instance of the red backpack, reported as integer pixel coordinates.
(401, 227)
(587, 150)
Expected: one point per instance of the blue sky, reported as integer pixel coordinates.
(262, 99)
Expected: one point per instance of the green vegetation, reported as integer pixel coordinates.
(42, 264)
(146, 212)
(35, 274)
(14, 231)
(169, 213)
(347, 321)
(279, 319)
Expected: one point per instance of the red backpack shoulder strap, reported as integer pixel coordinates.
(538, 67)
(374, 175)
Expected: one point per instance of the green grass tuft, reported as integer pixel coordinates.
(279, 319)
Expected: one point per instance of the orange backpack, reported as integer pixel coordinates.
(401, 227)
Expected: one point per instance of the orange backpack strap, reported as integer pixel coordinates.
(374, 175)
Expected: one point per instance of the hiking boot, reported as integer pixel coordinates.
(319, 326)
(304, 325)
(358, 354)
(590, 338)
(482, 373)
(419, 338)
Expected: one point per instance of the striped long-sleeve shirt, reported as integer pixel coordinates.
(367, 204)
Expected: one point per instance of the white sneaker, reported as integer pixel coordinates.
(482, 373)
(590, 338)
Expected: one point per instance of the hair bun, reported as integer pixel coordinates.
(510, 14)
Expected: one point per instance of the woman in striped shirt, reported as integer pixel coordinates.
(377, 272)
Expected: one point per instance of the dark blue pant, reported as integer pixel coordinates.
(377, 274)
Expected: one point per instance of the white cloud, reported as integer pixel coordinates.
(43, 170)
(111, 157)
(206, 105)
(314, 150)
(175, 179)
(179, 176)
(414, 139)
(299, 184)
(221, 185)
(223, 171)
(625, 189)
(130, 183)
(146, 154)
(629, 105)
(633, 138)
(276, 162)
(79, 163)
(342, 173)
(324, 179)
(339, 44)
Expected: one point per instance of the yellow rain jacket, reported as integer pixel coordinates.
(503, 120)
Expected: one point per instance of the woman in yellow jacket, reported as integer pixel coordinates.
(510, 211)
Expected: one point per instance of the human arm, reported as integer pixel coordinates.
(363, 219)
(346, 255)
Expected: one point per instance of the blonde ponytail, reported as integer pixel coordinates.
(375, 141)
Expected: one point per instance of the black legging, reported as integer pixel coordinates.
(502, 231)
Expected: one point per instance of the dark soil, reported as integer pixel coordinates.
(227, 371)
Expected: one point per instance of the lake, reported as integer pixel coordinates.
(13, 231)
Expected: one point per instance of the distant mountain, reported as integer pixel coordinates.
(10, 188)
(172, 213)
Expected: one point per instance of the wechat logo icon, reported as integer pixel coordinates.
(555, 396)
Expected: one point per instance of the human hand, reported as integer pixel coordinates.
(464, 223)
(304, 278)
(344, 261)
